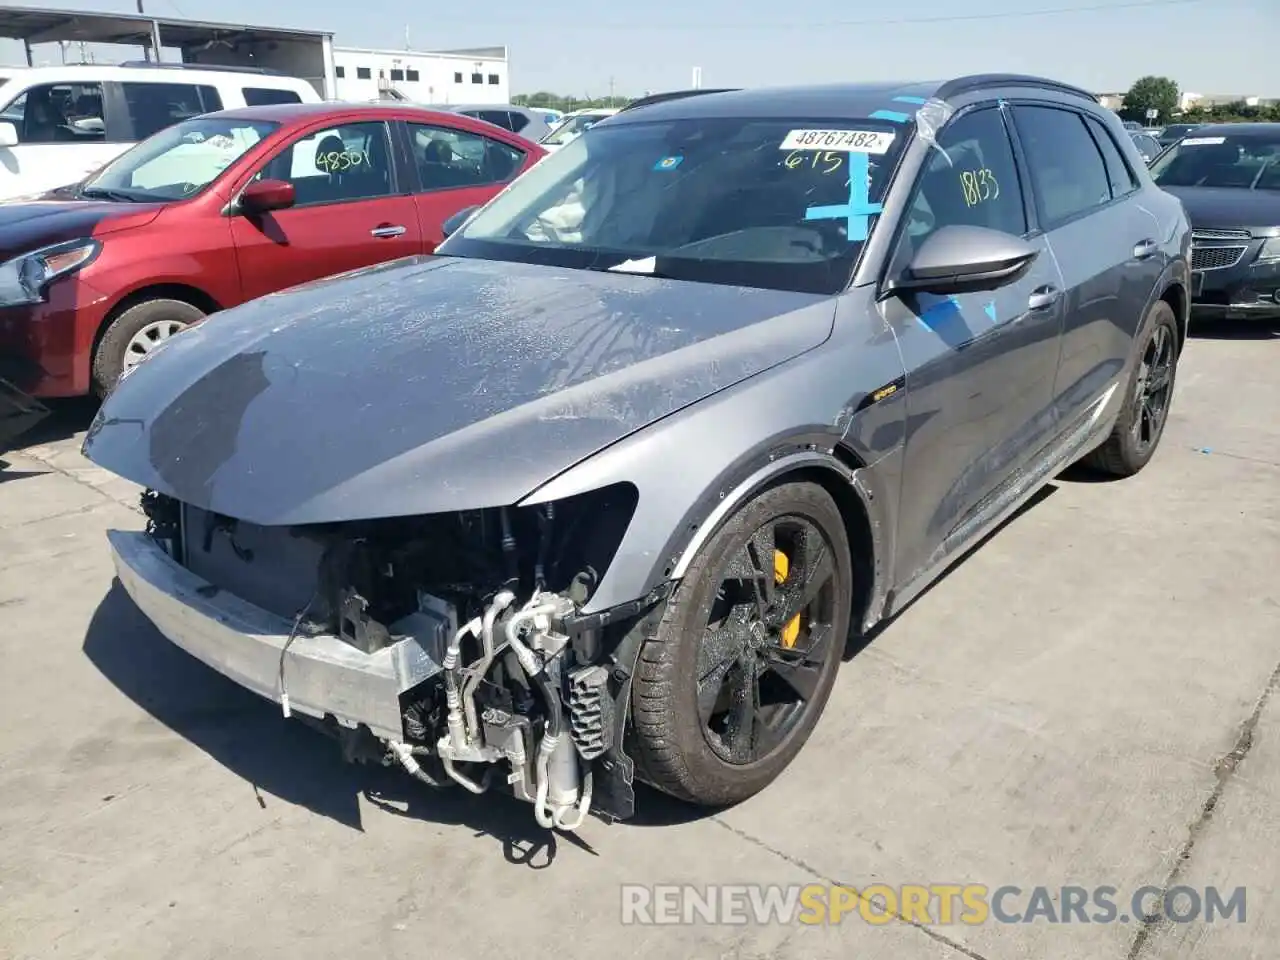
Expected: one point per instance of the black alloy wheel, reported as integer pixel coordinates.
(767, 639)
(732, 684)
(1154, 389)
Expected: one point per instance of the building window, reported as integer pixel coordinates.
(477, 78)
(457, 78)
(397, 74)
(493, 79)
(339, 72)
(411, 76)
(363, 73)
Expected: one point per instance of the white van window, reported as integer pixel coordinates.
(263, 97)
(58, 113)
(154, 106)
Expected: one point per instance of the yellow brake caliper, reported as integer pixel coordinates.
(781, 568)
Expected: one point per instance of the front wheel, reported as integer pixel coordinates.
(135, 333)
(730, 688)
(1141, 421)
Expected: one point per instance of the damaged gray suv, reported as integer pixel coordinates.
(601, 491)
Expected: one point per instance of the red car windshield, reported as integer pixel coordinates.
(179, 161)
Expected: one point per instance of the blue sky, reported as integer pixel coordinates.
(578, 46)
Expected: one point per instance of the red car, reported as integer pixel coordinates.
(220, 209)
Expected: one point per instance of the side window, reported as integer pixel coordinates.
(499, 118)
(59, 113)
(454, 158)
(262, 96)
(518, 121)
(154, 106)
(970, 179)
(1118, 172)
(336, 165)
(1066, 168)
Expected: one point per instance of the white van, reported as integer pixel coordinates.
(58, 124)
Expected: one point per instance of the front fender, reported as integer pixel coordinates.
(692, 469)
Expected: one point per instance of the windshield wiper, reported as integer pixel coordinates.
(103, 193)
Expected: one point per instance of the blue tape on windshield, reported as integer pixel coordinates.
(891, 115)
(859, 210)
(918, 101)
(990, 310)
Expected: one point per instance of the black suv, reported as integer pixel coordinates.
(1228, 178)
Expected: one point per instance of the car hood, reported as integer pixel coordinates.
(430, 384)
(1221, 207)
(54, 217)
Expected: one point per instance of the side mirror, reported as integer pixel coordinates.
(961, 259)
(262, 196)
(8, 134)
(455, 223)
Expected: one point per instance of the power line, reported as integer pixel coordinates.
(882, 21)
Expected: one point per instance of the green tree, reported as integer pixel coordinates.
(1148, 93)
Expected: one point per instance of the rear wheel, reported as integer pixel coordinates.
(730, 688)
(134, 334)
(1142, 419)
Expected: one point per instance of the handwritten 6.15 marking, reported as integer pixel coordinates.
(825, 162)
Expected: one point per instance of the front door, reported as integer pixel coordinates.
(351, 211)
(980, 365)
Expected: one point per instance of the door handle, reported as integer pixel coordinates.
(1145, 250)
(387, 230)
(1042, 298)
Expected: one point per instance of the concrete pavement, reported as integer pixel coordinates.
(1086, 700)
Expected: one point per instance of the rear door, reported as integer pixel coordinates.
(353, 209)
(1105, 244)
(980, 366)
(455, 169)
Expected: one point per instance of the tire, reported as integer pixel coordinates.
(111, 355)
(1136, 435)
(676, 749)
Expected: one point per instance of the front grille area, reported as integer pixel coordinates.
(270, 567)
(1211, 234)
(1216, 258)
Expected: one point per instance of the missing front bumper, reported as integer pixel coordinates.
(322, 674)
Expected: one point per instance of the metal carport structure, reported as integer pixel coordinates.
(301, 53)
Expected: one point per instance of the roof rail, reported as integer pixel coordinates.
(673, 95)
(211, 67)
(961, 85)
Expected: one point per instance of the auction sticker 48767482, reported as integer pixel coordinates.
(851, 141)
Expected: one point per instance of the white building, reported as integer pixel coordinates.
(479, 75)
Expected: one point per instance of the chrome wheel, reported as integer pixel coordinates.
(1151, 395)
(147, 339)
(769, 634)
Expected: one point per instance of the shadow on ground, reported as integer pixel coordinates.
(66, 419)
(1234, 330)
